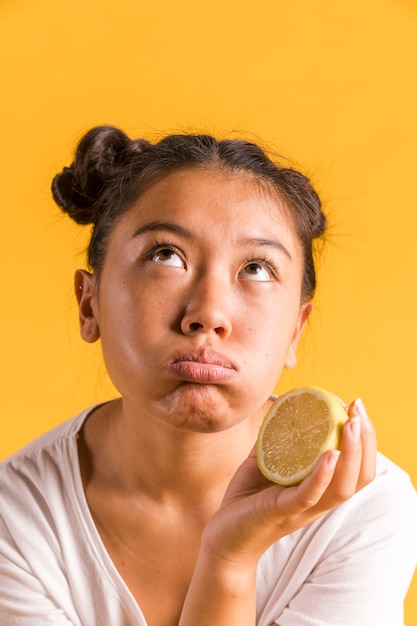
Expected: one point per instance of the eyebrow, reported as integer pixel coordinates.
(274, 243)
(184, 232)
(169, 226)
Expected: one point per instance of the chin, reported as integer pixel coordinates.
(199, 408)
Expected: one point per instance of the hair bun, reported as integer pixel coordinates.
(98, 158)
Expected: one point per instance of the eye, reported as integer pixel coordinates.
(165, 255)
(258, 270)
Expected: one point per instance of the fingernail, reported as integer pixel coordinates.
(355, 427)
(360, 409)
(332, 458)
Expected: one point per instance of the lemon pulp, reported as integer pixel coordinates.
(301, 425)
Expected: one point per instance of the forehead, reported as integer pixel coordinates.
(216, 212)
(215, 194)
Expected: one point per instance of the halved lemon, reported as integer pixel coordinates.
(301, 425)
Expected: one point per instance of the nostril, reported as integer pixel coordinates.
(194, 326)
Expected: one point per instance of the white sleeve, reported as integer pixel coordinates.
(33, 587)
(24, 601)
(362, 576)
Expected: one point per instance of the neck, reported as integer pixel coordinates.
(173, 467)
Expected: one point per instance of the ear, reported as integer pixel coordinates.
(305, 312)
(85, 291)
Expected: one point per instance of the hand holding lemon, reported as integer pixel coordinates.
(295, 448)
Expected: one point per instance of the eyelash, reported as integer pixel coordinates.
(266, 262)
(160, 245)
(165, 243)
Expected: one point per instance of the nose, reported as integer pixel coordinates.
(208, 309)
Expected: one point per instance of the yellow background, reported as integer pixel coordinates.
(330, 84)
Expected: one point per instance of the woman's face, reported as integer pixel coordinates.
(198, 302)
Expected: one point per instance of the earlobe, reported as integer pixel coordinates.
(305, 312)
(85, 292)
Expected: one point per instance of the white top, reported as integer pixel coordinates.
(351, 567)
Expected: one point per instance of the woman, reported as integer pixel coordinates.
(150, 509)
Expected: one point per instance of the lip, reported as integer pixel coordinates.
(202, 366)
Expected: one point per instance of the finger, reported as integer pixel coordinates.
(346, 474)
(311, 491)
(339, 475)
(349, 466)
(335, 476)
(369, 444)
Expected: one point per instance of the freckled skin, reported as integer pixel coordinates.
(207, 286)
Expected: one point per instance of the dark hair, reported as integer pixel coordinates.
(110, 171)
